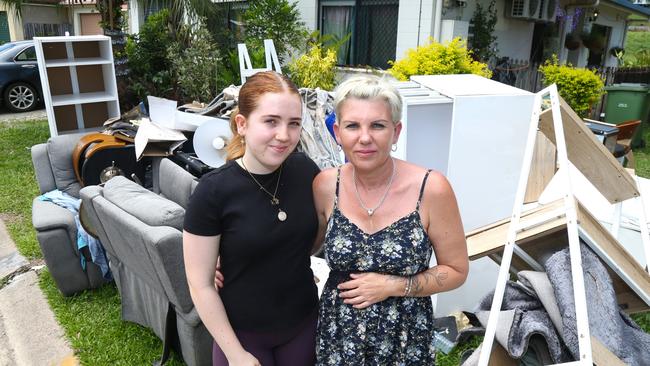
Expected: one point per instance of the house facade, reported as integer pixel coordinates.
(526, 30)
(48, 18)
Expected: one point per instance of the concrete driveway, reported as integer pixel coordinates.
(6, 115)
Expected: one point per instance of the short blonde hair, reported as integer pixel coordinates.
(369, 87)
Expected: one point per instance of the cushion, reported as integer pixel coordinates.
(145, 205)
(59, 149)
(175, 182)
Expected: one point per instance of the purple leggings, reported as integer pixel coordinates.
(291, 347)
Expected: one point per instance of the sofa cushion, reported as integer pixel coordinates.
(59, 150)
(175, 182)
(145, 205)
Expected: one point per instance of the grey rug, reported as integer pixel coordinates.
(540, 309)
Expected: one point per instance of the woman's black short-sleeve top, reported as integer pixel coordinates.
(268, 283)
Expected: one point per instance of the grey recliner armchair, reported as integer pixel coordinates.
(142, 234)
(55, 226)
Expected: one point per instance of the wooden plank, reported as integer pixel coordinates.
(500, 357)
(490, 239)
(542, 241)
(623, 260)
(602, 356)
(590, 156)
(542, 169)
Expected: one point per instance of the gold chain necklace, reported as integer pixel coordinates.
(275, 201)
(371, 211)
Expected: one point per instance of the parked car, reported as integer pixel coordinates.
(20, 83)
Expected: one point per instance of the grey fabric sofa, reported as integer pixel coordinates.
(142, 234)
(55, 226)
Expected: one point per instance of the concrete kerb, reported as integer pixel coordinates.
(29, 333)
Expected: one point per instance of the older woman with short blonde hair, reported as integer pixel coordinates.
(381, 219)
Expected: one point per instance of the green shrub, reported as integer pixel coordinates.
(579, 87)
(314, 69)
(228, 67)
(435, 59)
(150, 70)
(195, 67)
(277, 20)
(483, 41)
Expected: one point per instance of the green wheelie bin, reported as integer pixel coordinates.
(627, 102)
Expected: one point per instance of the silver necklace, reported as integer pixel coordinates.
(275, 201)
(371, 211)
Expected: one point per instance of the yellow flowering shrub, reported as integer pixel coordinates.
(435, 58)
(579, 87)
(314, 69)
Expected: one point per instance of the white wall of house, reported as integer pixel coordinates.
(308, 12)
(612, 17)
(136, 17)
(414, 25)
(514, 36)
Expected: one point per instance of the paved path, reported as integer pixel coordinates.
(6, 116)
(29, 333)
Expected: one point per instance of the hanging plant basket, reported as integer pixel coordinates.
(572, 41)
(594, 42)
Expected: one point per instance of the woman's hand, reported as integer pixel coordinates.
(244, 359)
(365, 289)
(218, 276)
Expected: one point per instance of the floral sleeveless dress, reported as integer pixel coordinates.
(396, 331)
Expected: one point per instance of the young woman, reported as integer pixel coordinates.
(256, 213)
(381, 218)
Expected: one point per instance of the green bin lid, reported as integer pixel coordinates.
(628, 87)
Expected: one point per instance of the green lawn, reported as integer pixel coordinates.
(637, 41)
(91, 320)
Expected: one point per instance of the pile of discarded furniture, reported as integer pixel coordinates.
(141, 232)
(577, 282)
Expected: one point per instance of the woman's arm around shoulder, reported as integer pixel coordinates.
(441, 218)
(200, 255)
(324, 188)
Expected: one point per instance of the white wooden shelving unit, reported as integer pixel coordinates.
(78, 80)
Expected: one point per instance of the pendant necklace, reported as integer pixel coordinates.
(275, 201)
(371, 211)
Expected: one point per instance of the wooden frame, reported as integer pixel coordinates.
(565, 218)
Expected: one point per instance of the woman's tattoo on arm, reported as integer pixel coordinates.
(428, 277)
(416, 285)
(440, 277)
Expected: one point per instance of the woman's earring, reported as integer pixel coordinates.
(338, 147)
(243, 141)
(393, 148)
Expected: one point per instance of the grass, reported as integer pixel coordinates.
(92, 323)
(17, 182)
(91, 320)
(637, 41)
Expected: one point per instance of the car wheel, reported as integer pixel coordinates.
(20, 97)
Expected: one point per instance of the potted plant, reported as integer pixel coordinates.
(617, 51)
